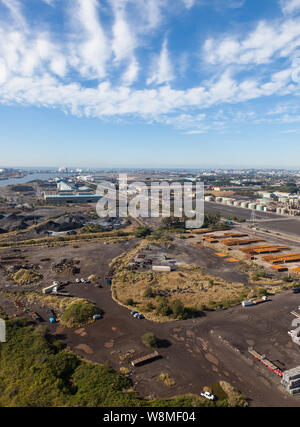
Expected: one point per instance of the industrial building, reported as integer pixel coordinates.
(291, 380)
(72, 198)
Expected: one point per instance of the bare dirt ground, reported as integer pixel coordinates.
(196, 352)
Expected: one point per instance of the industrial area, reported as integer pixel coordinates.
(222, 300)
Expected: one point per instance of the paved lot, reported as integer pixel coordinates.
(267, 220)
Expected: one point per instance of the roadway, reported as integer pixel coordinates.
(267, 220)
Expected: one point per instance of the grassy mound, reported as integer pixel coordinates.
(79, 314)
(24, 277)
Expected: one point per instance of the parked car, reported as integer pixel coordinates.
(133, 312)
(138, 315)
(97, 316)
(208, 395)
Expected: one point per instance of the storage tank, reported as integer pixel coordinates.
(244, 204)
(236, 203)
(252, 206)
(265, 209)
(260, 207)
(209, 198)
(230, 202)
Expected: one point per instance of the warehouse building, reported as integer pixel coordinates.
(72, 198)
(291, 380)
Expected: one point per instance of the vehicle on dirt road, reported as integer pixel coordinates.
(97, 316)
(208, 395)
(138, 316)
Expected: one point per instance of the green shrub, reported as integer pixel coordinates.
(142, 232)
(150, 340)
(163, 309)
(148, 292)
(149, 307)
(129, 301)
(177, 308)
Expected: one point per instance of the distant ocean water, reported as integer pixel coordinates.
(32, 177)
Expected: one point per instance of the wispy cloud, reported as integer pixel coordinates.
(257, 47)
(49, 2)
(162, 69)
(90, 49)
(15, 8)
(115, 59)
(290, 6)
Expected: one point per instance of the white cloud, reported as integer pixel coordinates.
(189, 3)
(149, 13)
(90, 50)
(131, 73)
(49, 2)
(15, 7)
(258, 47)
(123, 43)
(38, 68)
(162, 70)
(290, 6)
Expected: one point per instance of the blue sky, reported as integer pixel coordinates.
(150, 83)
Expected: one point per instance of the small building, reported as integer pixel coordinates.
(291, 380)
(49, 289)
(161, 268)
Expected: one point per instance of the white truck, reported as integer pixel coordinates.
(208, 395)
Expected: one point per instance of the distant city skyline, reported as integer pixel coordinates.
(150, 83)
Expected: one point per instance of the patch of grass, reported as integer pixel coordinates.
(93, 278)
(166, 379)
(217, 391)
(234, 398)
(142, 232)
(25, 277)
(90, 228)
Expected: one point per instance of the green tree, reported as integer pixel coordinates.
(149, 340)
(177, 308)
